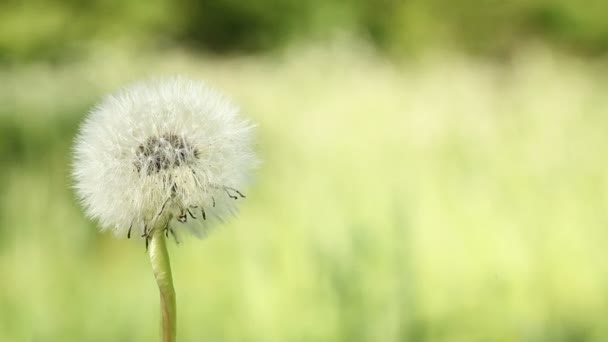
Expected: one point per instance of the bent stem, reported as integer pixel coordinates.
(159, 258)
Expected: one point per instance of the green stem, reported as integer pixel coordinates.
(159, 258)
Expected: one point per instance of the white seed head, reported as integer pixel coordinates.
(171, 149)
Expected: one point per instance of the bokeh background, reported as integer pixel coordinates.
(433, 170)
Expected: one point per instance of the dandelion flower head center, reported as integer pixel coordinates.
(163, 153)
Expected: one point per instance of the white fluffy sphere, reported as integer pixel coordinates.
(171, 149)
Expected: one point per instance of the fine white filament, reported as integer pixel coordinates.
(166, 149)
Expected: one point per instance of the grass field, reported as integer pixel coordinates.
(444, 199)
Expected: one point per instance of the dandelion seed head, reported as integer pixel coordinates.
(164, 149)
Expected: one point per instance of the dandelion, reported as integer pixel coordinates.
(162, 158)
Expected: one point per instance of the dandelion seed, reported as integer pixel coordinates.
(155, 149)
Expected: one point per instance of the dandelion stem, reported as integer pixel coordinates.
(159, 258)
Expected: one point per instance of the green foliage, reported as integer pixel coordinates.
(226, 25)
(57, 30)
(454, 200)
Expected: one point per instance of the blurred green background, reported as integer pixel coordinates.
(433, 170)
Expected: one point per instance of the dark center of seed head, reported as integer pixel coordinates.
(162, 153)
